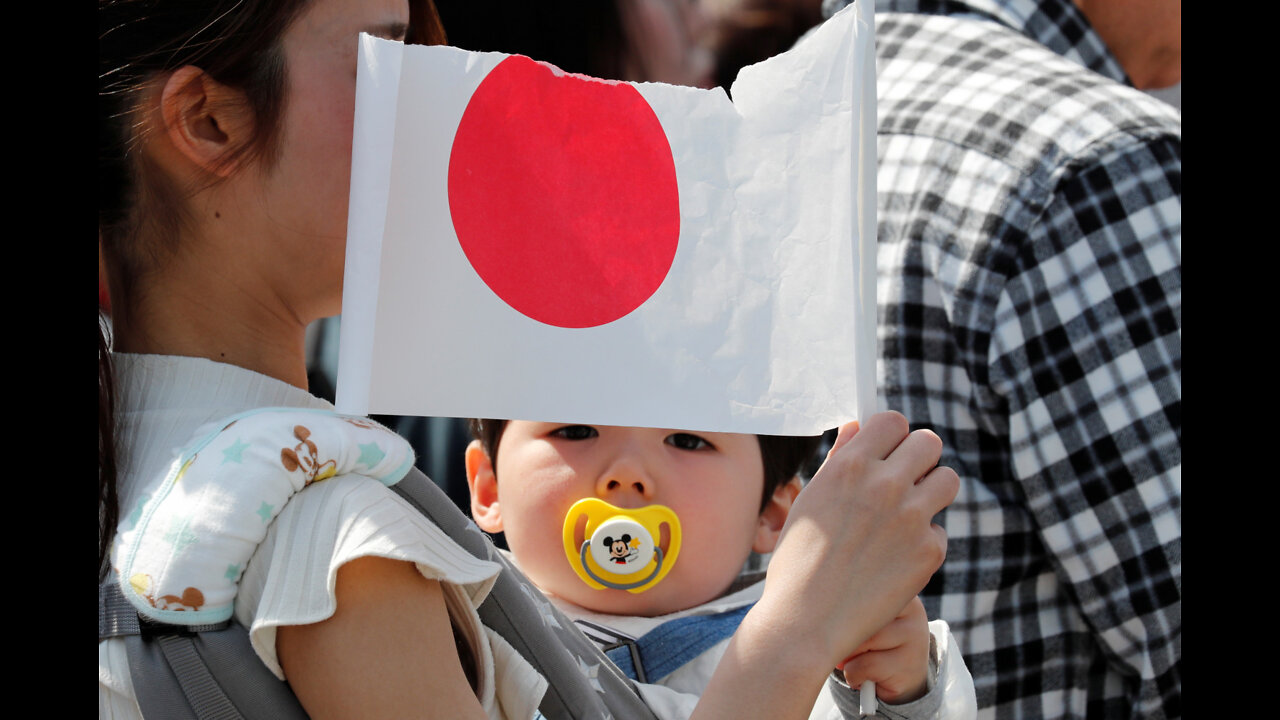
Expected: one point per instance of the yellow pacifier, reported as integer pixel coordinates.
(612, 547)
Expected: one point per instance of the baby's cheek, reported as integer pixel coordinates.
(537, 556)
(709, 564)
(538, 544)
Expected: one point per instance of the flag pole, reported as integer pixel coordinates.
(865, 350)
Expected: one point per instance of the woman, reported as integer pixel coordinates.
(225, 183)
(225, 137)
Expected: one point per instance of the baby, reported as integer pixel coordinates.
(668, 623)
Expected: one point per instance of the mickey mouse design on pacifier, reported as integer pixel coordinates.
(623, 549)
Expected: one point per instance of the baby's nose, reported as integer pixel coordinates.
(625, 484)
(613, 484)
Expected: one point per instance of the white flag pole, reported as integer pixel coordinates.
(865, 350)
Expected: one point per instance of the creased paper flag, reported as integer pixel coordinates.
(526, 243)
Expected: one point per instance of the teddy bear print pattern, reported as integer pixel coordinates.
(181, 552)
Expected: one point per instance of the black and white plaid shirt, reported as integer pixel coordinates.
(1030, 265)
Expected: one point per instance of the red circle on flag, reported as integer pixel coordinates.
(562, 192)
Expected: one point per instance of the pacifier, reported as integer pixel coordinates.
(622, 549)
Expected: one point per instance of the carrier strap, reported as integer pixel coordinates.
(202, 692)
(118, 618)
(202, 672)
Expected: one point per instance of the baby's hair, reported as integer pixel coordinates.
(782, 455)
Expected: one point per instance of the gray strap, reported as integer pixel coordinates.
(116, 617)
(202, 692)
(206, 672)
(206, 675)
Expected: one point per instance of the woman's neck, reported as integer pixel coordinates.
(225, 322)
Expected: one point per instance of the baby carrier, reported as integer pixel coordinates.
(209, 671)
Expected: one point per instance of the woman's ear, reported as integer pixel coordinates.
(205, 121)
(483, 483)
(774, 516)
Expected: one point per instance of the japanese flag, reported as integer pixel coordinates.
(525, 243)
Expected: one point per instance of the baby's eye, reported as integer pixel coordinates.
(686, 441)
(575, 432)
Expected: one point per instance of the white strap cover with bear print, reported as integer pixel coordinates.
(180, 554)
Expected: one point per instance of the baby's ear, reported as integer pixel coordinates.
(485, 508)
(774, 516)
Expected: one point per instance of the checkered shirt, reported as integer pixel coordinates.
(1030, 290)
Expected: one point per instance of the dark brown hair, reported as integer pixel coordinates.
(578, 37)
(782, 455)
(140, 213)
(108, 503)
(744, 32)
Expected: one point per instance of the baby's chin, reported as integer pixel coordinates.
(679, 590)
(658, 600)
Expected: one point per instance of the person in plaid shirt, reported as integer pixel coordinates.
(1030, 291)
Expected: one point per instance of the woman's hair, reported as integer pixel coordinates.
(744, 32)
(108, 503)
(140, 212)
(783, 456)
(577, 37)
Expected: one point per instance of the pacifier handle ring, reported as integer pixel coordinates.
(621, 586)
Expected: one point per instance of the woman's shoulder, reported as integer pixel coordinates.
(291, 578)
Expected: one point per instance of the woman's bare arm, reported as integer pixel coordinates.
(388, 650)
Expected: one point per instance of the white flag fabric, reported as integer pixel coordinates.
(529, 244)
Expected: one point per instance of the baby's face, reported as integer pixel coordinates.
(713, 482)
